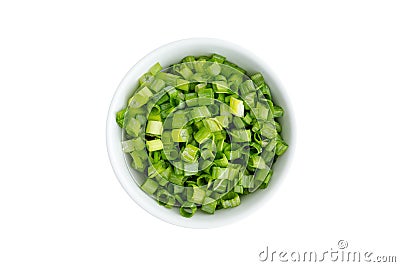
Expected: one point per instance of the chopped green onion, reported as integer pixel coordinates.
(210, 131)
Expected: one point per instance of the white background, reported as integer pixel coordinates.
(60, 63)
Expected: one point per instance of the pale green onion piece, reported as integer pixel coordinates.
(196, 195)
(209, 205)
(212, 125)
(133, 145)
(179, 120)
(213, 69)
(180, 135)
(202, 135)
(140, 98)
(200, 112)
(154, 145)
(149, 186)
(133, 127)
(190, 153)
(156, 68)
(237, 107)
(221, 87)
(168, 78)
(154, 128)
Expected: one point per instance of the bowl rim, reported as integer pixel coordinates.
(115, 152)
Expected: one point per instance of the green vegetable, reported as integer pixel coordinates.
(202, 133)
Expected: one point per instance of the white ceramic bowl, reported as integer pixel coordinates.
(173, 53)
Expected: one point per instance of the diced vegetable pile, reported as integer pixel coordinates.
(203, 133)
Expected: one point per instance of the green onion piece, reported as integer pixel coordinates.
(241, 135)
(220, 145)
(281, 147)
(191, 99)
(188, 209)
(138, 162)
(209, 205)
(278, 111)
(217, 58)
(165, 198)
(120, 117)
(268, 130)
(156, 68)
(133, 145)
(238, 189)
(182, 85)
(237, 107)
(247, 119)
(200, 112)
(140, 98)
(133, 127)
(230, 200)
(190, 168)
(196, 195)
(171, 154)
(154, 145)
(177, 179)
(278, 126)
(179, 120)
(232, 155)
(247, 181)
(207, 154)
(258, 79)
(221, 87)
(247, 87)
(264, 89)
(146, 79)
(255, 148)
(157, 85)
(190, 153)
(202, 135)
(206, 97)
(200, 87)
(238, 122)
(189, 61)
(212, 125)
(154, 128)
(222, 162)
(213, 69)
(266, 181)
(214, 109)
(255, 161)
(184, 71)
(220, 185)
(168, 78)
(223, 120)
(180, 135)
(235, 80)
(149, 186)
